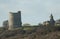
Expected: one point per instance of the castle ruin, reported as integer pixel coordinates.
(14, 20)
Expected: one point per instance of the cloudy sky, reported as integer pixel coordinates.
(33, 11)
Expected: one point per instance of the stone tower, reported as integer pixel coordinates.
(14, 20)
(52, 22)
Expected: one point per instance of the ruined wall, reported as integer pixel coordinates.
(5, 24)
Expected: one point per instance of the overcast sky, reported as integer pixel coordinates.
(33, 11)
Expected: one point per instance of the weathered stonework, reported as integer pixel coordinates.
(14, 20)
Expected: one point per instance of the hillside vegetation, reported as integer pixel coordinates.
(40, 32)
